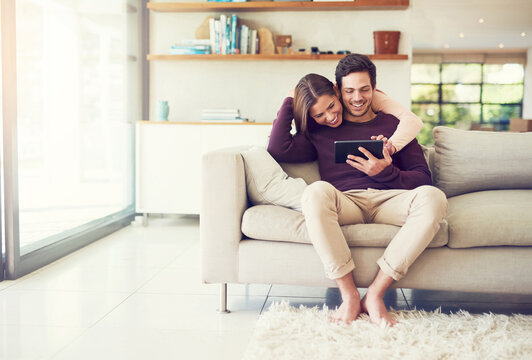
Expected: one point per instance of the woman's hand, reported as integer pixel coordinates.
(387, 143)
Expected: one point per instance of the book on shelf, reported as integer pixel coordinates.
(217, 120)
(222, 35)
(233, 35)
(190, 49)
(253, 42)
(228, 113)
(244, 34)
(220, 115)
(229, 37)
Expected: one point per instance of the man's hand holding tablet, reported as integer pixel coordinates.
(368, 156)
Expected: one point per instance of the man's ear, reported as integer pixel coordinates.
(336, 90)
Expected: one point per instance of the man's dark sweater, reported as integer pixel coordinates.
(407, 171)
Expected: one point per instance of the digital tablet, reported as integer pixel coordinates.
(344, 148)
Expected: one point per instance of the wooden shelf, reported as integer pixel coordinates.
(262, 57)
(152, 122)
(279, 6)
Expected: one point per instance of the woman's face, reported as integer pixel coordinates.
(327, 111)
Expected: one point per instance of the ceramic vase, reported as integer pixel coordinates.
(162, 110)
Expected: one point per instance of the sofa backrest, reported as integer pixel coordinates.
(467, 161)
(464, 161)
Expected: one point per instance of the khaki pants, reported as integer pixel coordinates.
(418, 212)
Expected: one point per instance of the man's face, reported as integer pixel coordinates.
(357, 95)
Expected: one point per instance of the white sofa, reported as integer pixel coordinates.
(484, 245)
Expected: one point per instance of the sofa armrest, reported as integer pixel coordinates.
(224, 200)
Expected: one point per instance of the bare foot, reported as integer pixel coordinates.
(347, 312)
(374, 306)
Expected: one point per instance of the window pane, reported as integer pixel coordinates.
(502, 93)
(425, 135)
(424, 92)
(427, 112)
(461, 73)
(460, 93)
(493, 113)
(425, 73)
(75, 138)
(461, 115)
(504, 74)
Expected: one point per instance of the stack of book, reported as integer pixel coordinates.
(227, 37)
(191, 47)
(221, 115)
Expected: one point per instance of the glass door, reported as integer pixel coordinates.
(69, 139)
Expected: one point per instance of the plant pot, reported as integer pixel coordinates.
(386, 42)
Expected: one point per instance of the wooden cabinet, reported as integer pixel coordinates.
(168, 160)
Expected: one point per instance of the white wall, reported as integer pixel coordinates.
(258, 87)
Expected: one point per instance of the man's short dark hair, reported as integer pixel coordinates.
(355, 63)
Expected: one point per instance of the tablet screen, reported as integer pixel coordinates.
(344, 148)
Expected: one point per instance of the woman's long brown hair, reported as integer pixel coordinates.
(306, 94)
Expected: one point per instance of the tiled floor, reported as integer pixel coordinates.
(137, 295)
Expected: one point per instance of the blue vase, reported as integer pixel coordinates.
(162, 110)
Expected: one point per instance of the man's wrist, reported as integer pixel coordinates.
(382, 176)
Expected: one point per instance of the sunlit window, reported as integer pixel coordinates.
(466, 95)
(74, 134)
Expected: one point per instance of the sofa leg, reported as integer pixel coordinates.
(144, 219)
(223, 299)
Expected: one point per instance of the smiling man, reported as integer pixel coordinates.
(356, 80)
(393, 190)
(387, 191)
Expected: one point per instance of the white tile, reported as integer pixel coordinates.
(155, 344)
(56, 308)
(177, 280)
(185, 312)
(133, 250)
(88, 276)
(7, 283)
(34, 342)
(190, 259)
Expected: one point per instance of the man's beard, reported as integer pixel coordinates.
(347, 109)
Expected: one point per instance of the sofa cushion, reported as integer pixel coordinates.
(307, 171)
(428, 152)
(275, 223)
(267, 183)
(467, 161)
(490, 218)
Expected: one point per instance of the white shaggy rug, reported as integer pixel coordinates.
(284, 332)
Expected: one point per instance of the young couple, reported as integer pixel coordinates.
(396, 189)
